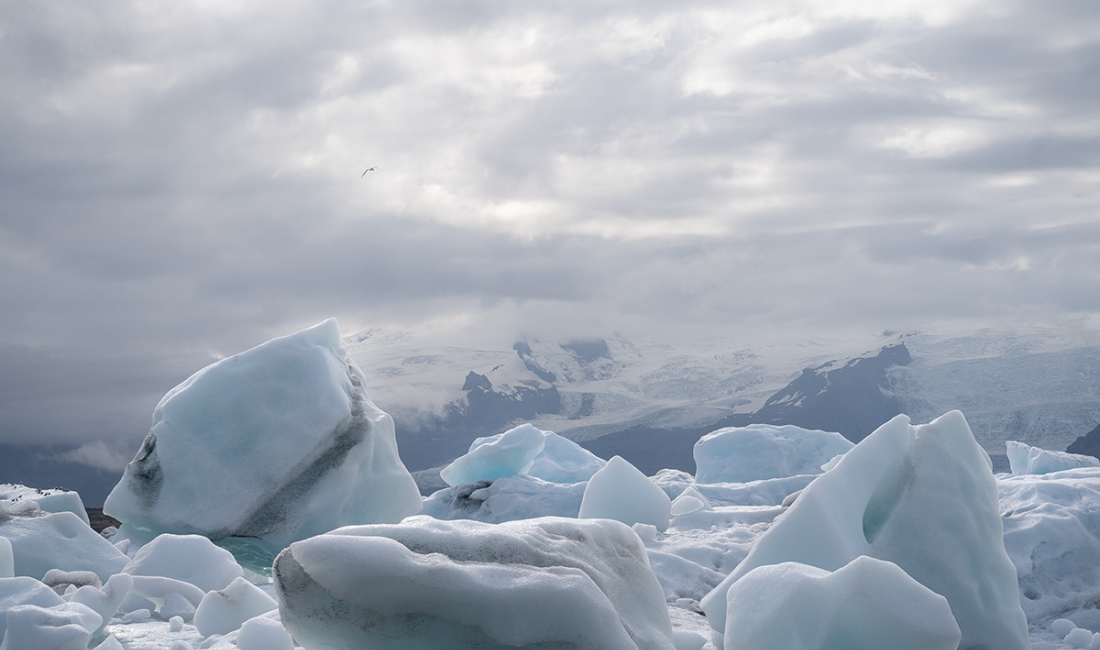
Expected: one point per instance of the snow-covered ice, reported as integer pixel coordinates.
(1025, 459)
(315, 444)
(549, 582)
(763, 451)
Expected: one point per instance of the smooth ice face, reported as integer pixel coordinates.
(621, 492)
(921, 497)
(763, 451)
(223, 611)
(505, 454)
(7, 559)
(868, 604)
(1025, 459)
(543, 583)
(190, 558)
(40, 542)
(278, 443)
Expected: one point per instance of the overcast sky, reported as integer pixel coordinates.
(183, 180)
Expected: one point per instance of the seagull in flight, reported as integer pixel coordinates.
(370, 169)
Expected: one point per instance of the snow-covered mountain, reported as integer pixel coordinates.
(649, 401)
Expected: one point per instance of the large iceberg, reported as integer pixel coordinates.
(541, 583)
(764, 451)
(278, 443)
(921, 497)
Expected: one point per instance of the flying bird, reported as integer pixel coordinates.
(370, 169)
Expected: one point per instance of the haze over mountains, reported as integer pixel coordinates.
(650, 402)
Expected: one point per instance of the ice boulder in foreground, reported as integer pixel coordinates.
(505, 454)
(621, 492)
(763, 451)
(190, 558)
(866, 605)
(540, 583)
(278, 443)
(923, 498)
(1025, 459)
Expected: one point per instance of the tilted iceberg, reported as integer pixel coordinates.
(505, 454)
(923, 498)
(540, 583)
(278, 443)
(523, 451)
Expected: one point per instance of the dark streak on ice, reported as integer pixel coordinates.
(352, 431)
(147, 477)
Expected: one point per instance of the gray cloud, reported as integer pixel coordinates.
(185, 183)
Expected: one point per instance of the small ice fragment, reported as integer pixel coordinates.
(1079, 638)
(175, 623)
(264, 633)
(1062, 627)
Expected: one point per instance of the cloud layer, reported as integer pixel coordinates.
(179, 182)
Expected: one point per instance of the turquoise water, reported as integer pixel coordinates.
(252, 554)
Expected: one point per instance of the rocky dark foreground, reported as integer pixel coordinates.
(99, 521)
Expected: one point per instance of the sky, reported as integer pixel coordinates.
(182, 181)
